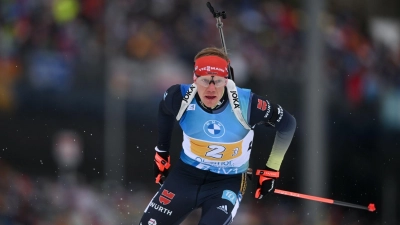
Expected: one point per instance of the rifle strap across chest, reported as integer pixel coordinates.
(233, 100)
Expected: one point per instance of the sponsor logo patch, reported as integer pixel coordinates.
(280, 112)
(209, 68)
(223, 208)
(188, 93)
(230, 196)
(191, 107)
(214, 129)
(161, 208)
(235, 99)
(261, 105)
(152, 222)
(166, 197)
(268, 107)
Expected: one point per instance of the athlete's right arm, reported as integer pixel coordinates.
(168, 109)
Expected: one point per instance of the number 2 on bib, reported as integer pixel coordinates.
(217, 151)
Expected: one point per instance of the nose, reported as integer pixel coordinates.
(211, 86)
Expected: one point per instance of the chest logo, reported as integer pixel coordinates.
(214, 129)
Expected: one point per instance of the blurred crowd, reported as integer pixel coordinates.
(69, 53)
(69, 46)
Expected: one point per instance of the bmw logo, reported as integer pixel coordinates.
(214, 129)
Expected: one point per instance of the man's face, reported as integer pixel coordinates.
(210, 89)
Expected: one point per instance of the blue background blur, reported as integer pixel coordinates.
(78, 76)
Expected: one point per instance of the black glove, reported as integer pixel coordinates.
(266, 182)
(161, 166)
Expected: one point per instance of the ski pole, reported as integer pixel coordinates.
(370, 207)
(217, 15)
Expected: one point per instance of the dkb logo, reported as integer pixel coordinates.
(166, 197)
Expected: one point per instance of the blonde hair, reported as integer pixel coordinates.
(212, 51)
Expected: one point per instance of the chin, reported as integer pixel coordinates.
(211, 105)
(209, 102)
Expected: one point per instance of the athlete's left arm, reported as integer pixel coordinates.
(263, 111)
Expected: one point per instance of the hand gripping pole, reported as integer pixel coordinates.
(162, 166)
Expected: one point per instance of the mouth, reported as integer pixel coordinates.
(210, 97)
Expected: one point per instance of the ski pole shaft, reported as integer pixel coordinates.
(221, 34)
(370, 207)
(217, 15)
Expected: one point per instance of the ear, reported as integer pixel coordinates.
(194, 76)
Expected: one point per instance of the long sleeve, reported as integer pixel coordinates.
(284, 134)
(167, 111)
(264, 112)
(165, 122)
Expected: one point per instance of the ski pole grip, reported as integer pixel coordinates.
(211, 9)
(267, 173)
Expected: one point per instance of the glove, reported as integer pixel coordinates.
(161, 166)
(266, 182)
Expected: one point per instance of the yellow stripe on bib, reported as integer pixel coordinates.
(216, 151)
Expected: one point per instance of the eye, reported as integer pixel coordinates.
(206, 81)
(218, 81)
